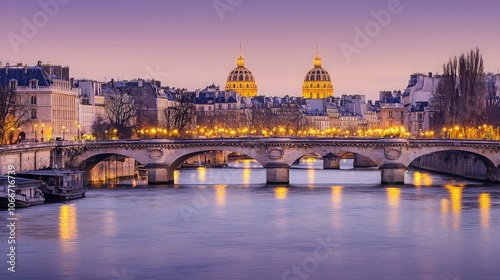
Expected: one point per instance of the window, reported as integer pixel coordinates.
(420, 117)
(33, 114)
(13, 84)
(33, 84)
(33, 100)
(390, 114)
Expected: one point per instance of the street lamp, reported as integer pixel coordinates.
(63, 131)
(78, 132)
(42, 131)
(36, 138)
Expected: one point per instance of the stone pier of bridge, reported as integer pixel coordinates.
(160, 174)
(277, 173)
(393, 174)
(493, 174)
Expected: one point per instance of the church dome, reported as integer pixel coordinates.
(317, 82)
(241, 80)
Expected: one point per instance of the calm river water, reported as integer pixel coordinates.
(227, 224)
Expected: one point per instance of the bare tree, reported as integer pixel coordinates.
(290, 118)
(101, 128)
(460, 97)
(181, 116)
(493, 106)
(14, 111)
(472, 89)
(437, 108)
(287, 117)
(121, 112)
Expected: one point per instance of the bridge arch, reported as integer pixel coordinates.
(371, 154)
(490, 160)
(175, 159)
(88, 159)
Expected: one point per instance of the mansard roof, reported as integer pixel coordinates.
(23, 75)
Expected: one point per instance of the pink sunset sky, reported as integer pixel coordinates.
(192, 43)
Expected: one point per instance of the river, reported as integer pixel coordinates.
(228, 224)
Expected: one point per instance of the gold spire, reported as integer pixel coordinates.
(240, 62)
(317, 59)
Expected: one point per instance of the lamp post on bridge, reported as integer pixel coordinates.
(63, 131)
(36, 138)
(42, 132)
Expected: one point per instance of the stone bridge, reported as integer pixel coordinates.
(162, 156)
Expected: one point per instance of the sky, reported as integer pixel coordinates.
(366, 45)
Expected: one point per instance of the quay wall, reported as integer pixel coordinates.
(25, 160)
(453, 163)
(111, 169)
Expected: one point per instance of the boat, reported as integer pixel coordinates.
(26, 192)
(58, 184)
(194, 165)
(140, 173)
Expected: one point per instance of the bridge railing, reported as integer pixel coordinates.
(277, 140)
(29, 145)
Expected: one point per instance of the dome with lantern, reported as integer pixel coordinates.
(317, 82)
(241, 80)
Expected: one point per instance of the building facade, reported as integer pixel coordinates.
(54, 101)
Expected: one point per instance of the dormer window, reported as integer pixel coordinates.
(13, 84)
(33, 84)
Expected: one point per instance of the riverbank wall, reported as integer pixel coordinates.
(453, 163)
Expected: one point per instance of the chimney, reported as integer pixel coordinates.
(26, 69)
(430, 74)
(39, 63)
(6, 68)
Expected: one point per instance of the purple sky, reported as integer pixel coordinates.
(187, 43)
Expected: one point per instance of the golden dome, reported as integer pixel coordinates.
(317, 82)
(241, 80)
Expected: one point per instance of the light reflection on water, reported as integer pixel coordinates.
(280, 193)
(485, 206)
(227, 224)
